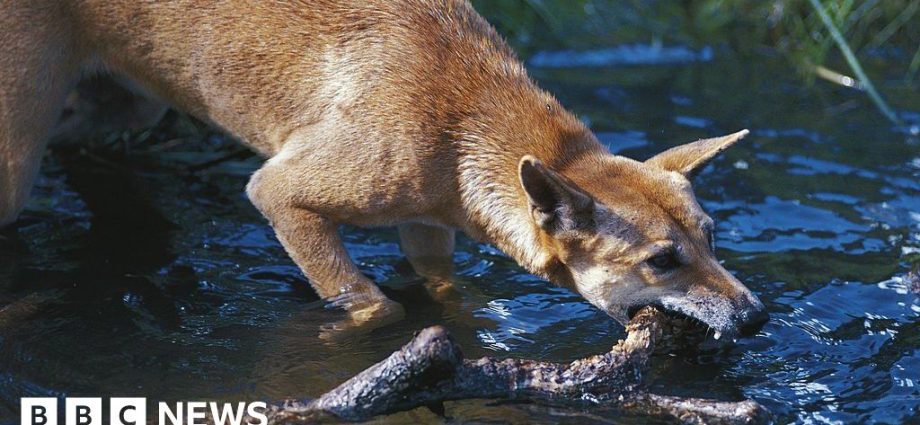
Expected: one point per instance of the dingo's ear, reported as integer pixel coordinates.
(690, 158)
(555, 203)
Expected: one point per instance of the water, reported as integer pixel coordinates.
(129, 276)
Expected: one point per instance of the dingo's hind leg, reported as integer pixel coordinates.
(38, 67)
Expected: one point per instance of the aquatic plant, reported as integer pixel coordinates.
(826, 39)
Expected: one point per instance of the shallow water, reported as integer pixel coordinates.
(140, 279)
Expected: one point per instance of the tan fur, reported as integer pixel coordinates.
(371, 112)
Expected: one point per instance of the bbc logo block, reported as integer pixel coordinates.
(83, 411)
(133, 411)
(127, 411)
(39, 411)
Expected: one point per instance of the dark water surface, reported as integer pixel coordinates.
(132, 277)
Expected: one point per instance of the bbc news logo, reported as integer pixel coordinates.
(133, 411)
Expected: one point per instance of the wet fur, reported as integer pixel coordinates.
(409, 112)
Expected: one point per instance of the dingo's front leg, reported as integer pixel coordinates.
(313, 242)
(430, 250)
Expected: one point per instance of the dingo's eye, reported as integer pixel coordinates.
(664, 262)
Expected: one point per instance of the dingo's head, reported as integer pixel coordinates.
(627, 234)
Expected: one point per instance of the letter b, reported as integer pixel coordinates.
(38, 411)
(83, 411)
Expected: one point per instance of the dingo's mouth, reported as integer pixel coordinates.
(688, 330)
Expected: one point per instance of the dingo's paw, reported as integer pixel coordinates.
(363, 317)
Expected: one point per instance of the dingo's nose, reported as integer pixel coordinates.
(752, 320)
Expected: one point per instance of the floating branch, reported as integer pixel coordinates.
(430, 369)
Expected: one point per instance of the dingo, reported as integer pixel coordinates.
(412, 113)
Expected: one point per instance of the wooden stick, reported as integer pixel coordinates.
(430, 369)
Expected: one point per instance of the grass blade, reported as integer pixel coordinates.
(854, 63)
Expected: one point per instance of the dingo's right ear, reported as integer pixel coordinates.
(690, 158)
(555, 203)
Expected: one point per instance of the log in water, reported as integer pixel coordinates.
(431, 369)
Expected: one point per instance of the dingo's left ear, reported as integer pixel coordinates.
(555, 203)
(690, 158)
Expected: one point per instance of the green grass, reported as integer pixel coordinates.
(864, 40)
(792, 28)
